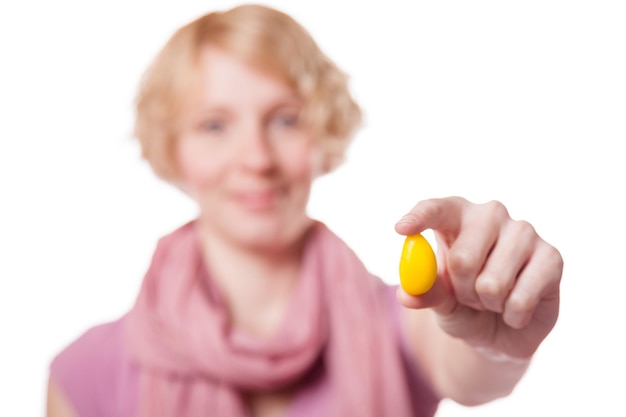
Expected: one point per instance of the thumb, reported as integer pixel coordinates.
(454, 318)
(439, 298)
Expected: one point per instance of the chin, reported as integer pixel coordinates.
(270, 234)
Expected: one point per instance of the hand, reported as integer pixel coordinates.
(497, 282)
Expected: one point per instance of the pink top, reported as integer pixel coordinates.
(99, 379)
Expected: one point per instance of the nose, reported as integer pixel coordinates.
(256, 153)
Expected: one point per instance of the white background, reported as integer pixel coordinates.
(523, 102)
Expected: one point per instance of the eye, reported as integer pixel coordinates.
(285, 120)
(214, 126)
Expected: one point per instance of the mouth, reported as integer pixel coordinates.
(259, 200)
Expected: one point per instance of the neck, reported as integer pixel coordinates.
(256, 284)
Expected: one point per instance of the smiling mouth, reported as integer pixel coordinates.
(259, 200)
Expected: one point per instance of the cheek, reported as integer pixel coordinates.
(197, 170)
(319, 163)
(304, 163)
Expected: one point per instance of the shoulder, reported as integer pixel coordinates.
(93, 372)
(95, 342)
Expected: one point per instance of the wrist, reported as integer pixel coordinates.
(493, 355)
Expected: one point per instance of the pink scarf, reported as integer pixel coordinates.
(194, 365)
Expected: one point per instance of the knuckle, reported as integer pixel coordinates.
(490, 287)
(556, 257)
(553, 258)
(521, 304)
(462, 262)
(524, 229)
(459, 200)
(495, 209)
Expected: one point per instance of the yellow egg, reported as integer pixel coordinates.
(418, 265)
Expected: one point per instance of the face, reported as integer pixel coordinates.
(245, 156)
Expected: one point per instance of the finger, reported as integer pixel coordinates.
(468, 254)
(435, 213)
(537, 285)
(438, 297)
(456, 319)
(511, 252)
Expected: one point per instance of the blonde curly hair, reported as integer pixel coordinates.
(265, 38)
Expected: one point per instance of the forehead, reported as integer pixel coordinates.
(225, 78)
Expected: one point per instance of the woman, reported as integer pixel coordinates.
(256, 309)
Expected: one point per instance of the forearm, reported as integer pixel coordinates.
(457, 370)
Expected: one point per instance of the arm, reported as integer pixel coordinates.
(495, 300)
(56, 404)
(456, 370)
